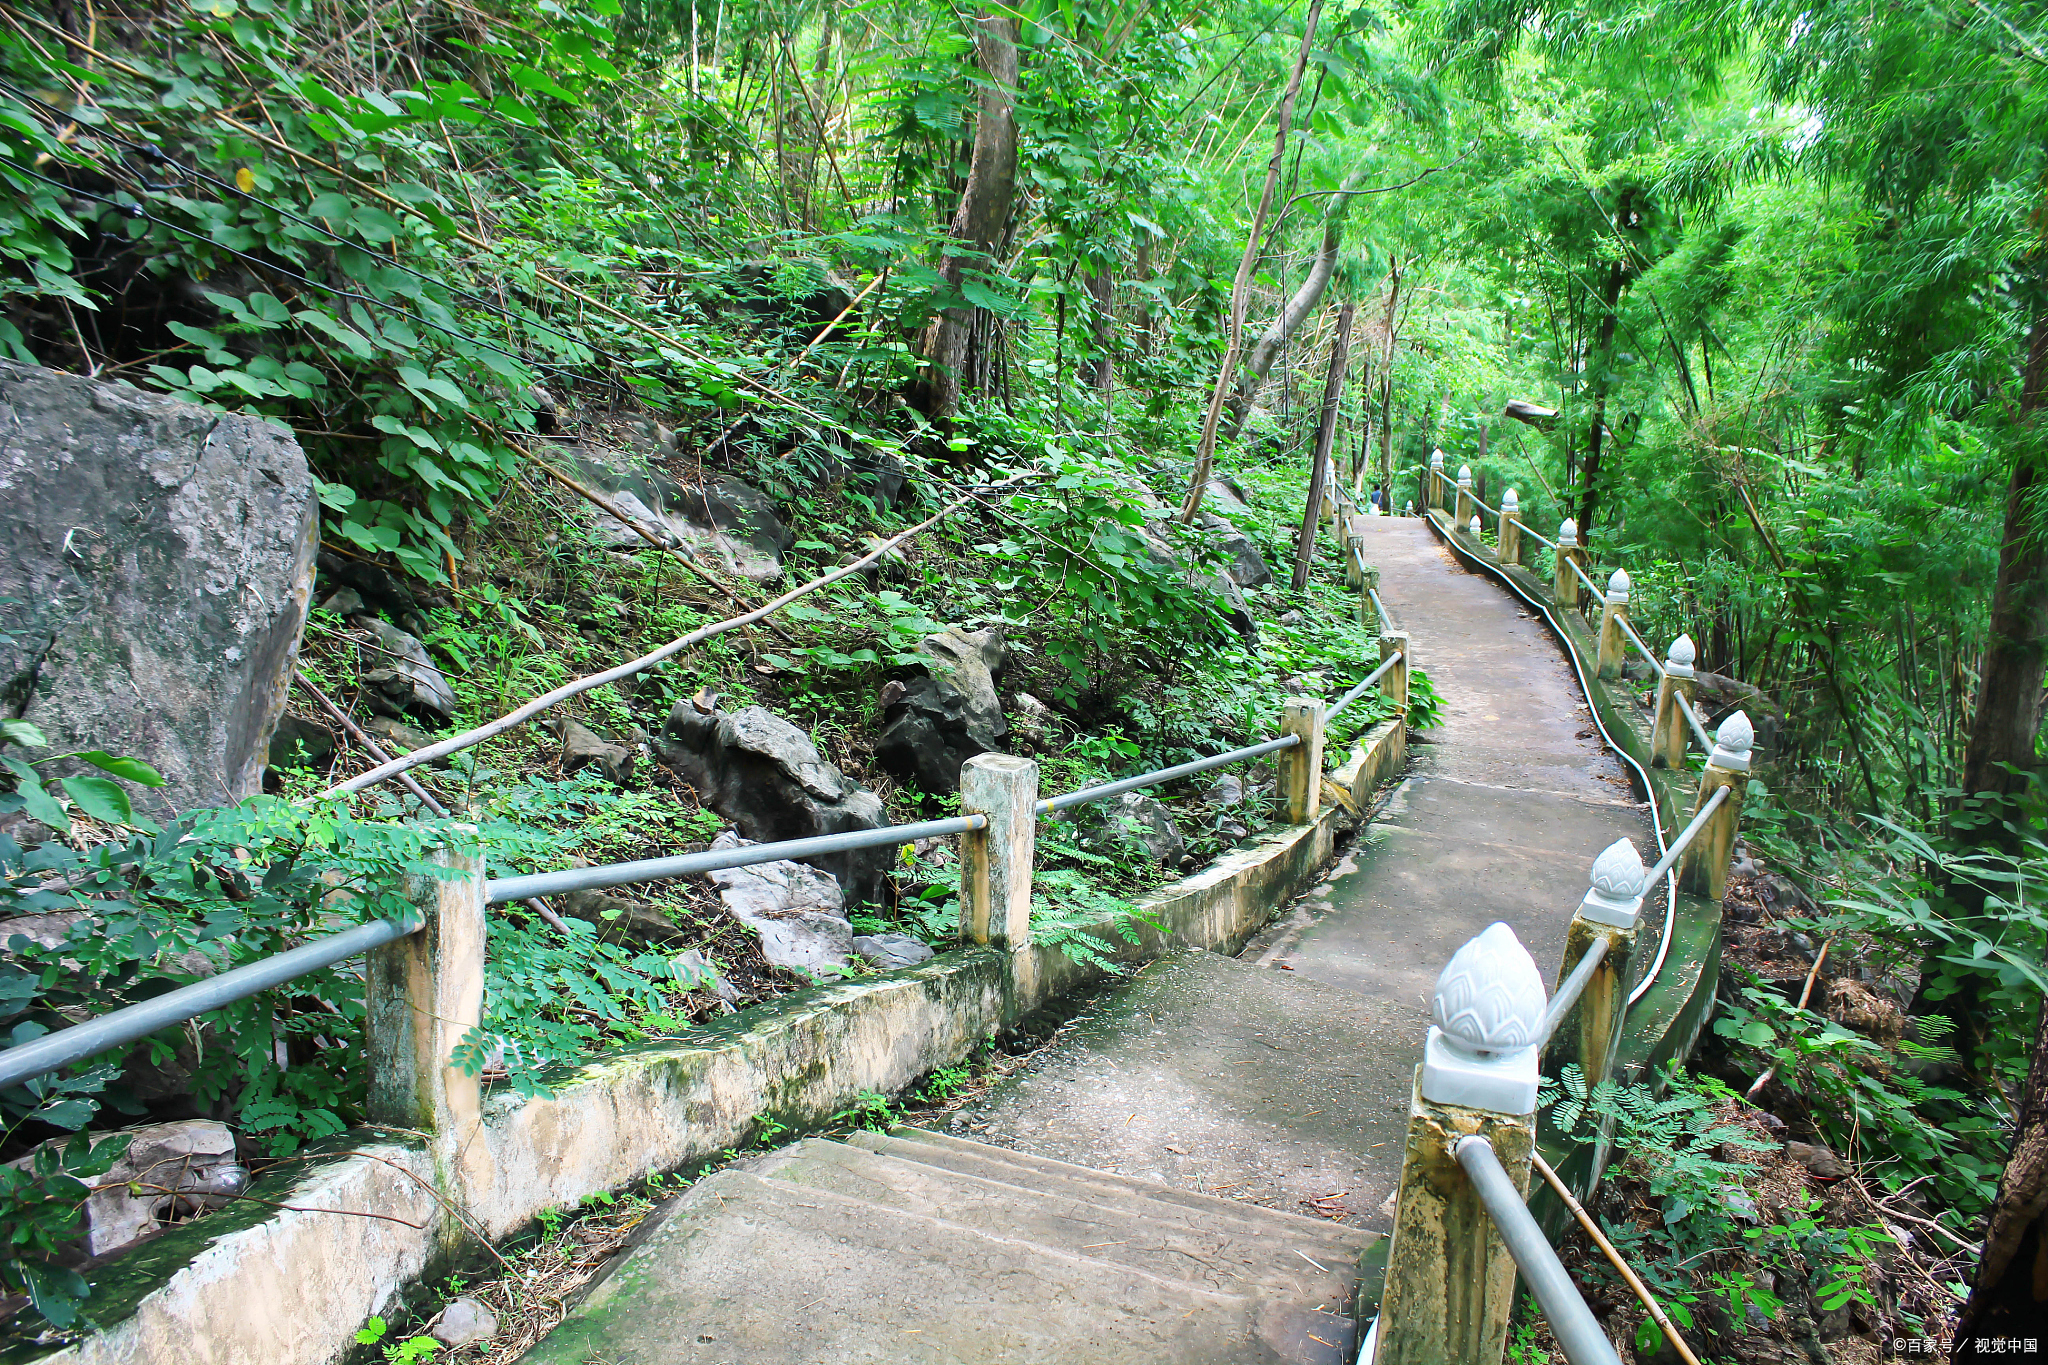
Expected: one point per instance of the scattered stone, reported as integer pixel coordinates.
(299, 743)
(345, 603)
(398, 677)
(1289, 618)
(763, 774)
(396, 734)
(464, 1321)
(889, 951)
(949, 714)
(158, 568)
(170, 1171)
(583, 747)
(1227, 790)
(620, 919)
(1136, 824)
(1816, 1159)
(797, 910)
(1036, 729)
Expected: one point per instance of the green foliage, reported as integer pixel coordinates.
(42, 1206)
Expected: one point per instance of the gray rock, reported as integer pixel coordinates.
(583, 747)
(377, 587)
(297, 743)
(1816, 1159)
(763, 774)
(889, 951)
(731, 525)
(170, 1170)
(1289, 618)
(345, 603)
(1227, 790)
(797, 910)
(1036, 729)
(464, 1321)
(398, 678)
(157, 568)
(620, 919)
(1243, 563)
(947, 713)
(396, 734)
(1135, 825)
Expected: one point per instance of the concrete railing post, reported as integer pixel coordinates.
(995, 863)
(1613, 644)
(1564, 583)
(1466, 510)
(1510, 548)
(1703, 867)
(1368, 584)
(1301, 767)
(1450, 1279)
(1394, 682)
(1436, 480)
(1590, 1032)
(1354, 559)
(422, 994)
(1668, 735)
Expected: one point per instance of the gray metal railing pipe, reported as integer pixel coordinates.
(690, 864)
(1574, 986)
(1692, 718)
(1571, 1322)
(1643, 649)
(1131, 784)
(1670, 858)
(89, 1039)
(1363, 683)
(1386, 621)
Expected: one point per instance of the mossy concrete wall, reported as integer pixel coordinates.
(259, 1283)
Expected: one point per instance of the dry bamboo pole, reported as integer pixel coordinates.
(1635, 1283)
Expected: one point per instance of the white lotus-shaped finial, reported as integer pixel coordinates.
(1567, 534)
(1678, 659)
(1617, 586)
(1619, 881)
(1732, 743)
(1464, 476)
(1510, 504)
(1409, 510)
(1436, 459)
(1475, 526)
(1490, 997)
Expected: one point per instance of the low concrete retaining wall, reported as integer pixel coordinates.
(279, 1286)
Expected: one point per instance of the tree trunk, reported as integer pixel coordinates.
(1205, 452)
(2010, 1296)
(1297, 308)
(1387, 324)
(1603, 356)
(1101, 288)
(981, 219)
(1326, 432)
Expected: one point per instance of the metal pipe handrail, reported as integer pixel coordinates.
(1367, 681)
(690, 864)
(1577, 1331)
(1599, 593)
(1386, 620)
(1539, 537)
(1685, 836)
(1642, 648)
(118, 1027)
(1568, 994)
(1084, 795)
(1692, 718)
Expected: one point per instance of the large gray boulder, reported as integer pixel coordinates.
(947, 712)
(398, 677)
(763, 774)
(731, 526)
(1134, 826)
(798, 911)
(157, 563)
(170, 1172)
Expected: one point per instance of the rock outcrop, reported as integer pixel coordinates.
(170, 1172)
(583, 747)
(765, 775)
(947, 712)
(157, 566)
(798, 911)
(1134, 825)
(732, 526)
(398, 677)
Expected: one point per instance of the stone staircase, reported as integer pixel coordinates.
(920, 1247)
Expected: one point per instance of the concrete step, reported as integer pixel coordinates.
(1171, 1241)
(1031, 1171)
(824, 1255)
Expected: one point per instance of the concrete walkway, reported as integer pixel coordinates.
(1283, 1078)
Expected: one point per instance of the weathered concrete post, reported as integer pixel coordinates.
(1703, 867)
(1354, 559)
(995, 863)
(1668, 735)
(422, 995)
(1435, 497)
(1590, 1031)
(1613, 644)
(1565, 583)
(1368, 584)
(1450, 1279)
(1301, 767)
(1510, 528)
(1466, 507)
(1394, 682)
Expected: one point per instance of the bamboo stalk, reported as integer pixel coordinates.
(1635, 1283)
